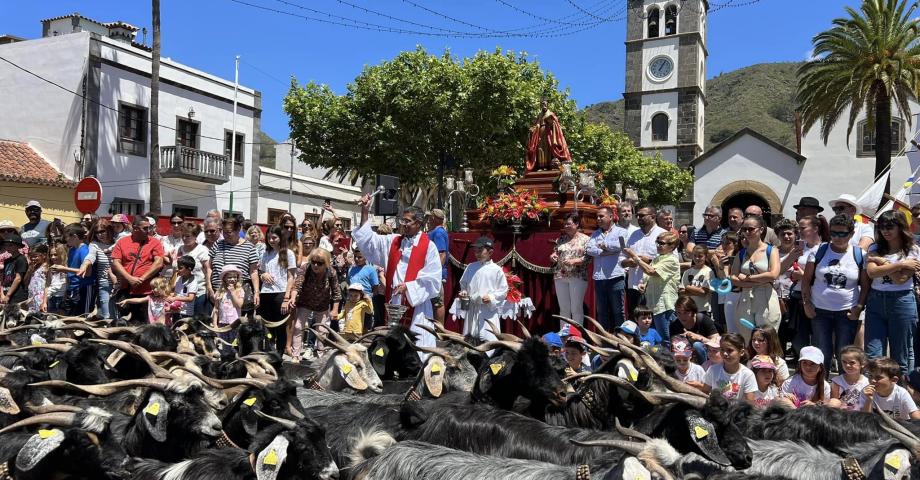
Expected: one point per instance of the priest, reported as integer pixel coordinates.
(484, 284)
(411, 265)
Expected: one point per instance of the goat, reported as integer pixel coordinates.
(345, 366)
(356, 431)
(391, 353)
(242, 420)
(53, 453)
(287, 450)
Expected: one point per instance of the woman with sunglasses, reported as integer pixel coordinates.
(891, 309)
(289, 232)
(89, 222)
(661, 283)
(101, 240)
(754, 270)
(834, 289)
(316, 297)
(201, 254)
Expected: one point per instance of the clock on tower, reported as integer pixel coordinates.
(665, 93)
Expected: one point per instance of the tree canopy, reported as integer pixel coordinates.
(401, 116)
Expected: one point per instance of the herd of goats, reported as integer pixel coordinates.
(84, 398)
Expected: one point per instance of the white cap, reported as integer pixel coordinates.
(356, 286)
(847, 199)
(33, 203)
(812, 354)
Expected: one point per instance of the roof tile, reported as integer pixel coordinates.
(21, 163)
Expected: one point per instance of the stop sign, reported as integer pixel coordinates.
(88, 195)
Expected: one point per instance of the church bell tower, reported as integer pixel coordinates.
(665, 93)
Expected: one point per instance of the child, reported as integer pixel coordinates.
(808, 386)
(884, 391)
(764, 373)
(14, 289)
(648, 336)
(576, 350)
(695, 281)
(184, 286)
(687, 371)
(627, 331)
(765, 341)
(357, 307)
(846, 389)
(713, 352)
(229, 302)
(731, 378)
(157, 301)
(57, 282)
(37, 277)
(484, 283)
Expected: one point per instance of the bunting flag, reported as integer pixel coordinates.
(872, 197)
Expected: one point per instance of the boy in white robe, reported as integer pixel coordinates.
(485, 285)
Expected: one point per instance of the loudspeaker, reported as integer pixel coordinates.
(387, 202)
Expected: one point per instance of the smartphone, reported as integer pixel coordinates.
(622, 242)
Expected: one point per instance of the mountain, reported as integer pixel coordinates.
(761, 97)
(267, 152)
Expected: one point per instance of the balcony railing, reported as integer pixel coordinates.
(192, 164)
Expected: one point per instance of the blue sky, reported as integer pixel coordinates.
(206, 34)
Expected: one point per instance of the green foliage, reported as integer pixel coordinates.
(761, 97)
(399, 116)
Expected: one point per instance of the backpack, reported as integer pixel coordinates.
(741, 254)
(822, 251)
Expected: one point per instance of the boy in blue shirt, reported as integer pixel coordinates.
(80, 297)
(647, 335)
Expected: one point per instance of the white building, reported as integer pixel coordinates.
(303, 193)
(107, 134)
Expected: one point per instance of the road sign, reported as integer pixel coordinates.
(88, 195)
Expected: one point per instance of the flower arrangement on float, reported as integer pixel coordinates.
(607, 199)
(515, 206)
(505, 175)
(514, 286)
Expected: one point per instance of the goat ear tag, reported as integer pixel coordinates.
(235, 343)
(7, 402)
(435, 368)
(380, 352)
(346, 368)
(270, 459)
(153, 409)
(37, 339)
(269, 335)
(250, 401)
(496, 367)
(703, 434)
(155, 416)
(37, 447)
(700, 432)
(893, 460)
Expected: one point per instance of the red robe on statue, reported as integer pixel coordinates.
(546, 143)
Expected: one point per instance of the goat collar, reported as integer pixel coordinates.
(312, 384)
(412, 395)
(583, 472)
(223, 442)
(5, 471)
(851, 469)
(589, 400)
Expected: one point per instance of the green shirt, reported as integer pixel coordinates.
(661, 289)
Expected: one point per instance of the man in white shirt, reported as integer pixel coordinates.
(642, 241)
(484, 283)
(864, 234)
(411, 264)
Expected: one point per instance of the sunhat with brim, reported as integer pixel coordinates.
(847, 199)
(762, 361)
(812, 354)
(230, 269)
(356, 286)
(120, 218)
(8, 225)
(629, 327)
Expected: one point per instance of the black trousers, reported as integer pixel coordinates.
(270, 310)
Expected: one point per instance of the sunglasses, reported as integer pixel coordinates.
(210, 232)
(838, 208)
(839, 234)
(887, 226)
(176, 223)
(318, 264)
(660, 243)
(338, 225)
(288, 227)
(747, 229)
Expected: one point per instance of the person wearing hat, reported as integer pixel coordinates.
(14, 271)
(484, 284)
(7, 231)
(807, 207)
(438, 235)
(357, 308)
(576, 350)
(809, 385)
(687, 371)
(121, 226)
(554, 342)
(33, 232)
(864, 236)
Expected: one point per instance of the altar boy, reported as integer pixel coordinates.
(484, 284)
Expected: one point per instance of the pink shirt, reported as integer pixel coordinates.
(228, 311)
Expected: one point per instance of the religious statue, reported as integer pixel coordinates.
(546, 147)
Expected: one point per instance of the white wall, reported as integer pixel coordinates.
(653, 48)
(309, 194)
(659, 103)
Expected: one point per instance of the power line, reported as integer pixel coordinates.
(552, 20)
(263, 72)
(579, 8)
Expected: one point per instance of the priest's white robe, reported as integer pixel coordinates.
(478, 280)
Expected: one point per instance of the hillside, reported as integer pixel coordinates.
(761, 97)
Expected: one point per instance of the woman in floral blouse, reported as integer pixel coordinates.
(570, 269)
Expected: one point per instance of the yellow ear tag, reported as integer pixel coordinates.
(269, 335)
(633, 376)
(153, 409)
(436, 368)
(271, 458)
(346, 368)
(700, 432)
(43, 434)
(250, 401)
(380, 352)
(496, 367)
(893, 460)
(235, 343)
(54, 364)
(37, 342)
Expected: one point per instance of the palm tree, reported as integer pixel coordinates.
(155, 205)
(864, 62)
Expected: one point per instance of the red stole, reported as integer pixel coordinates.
(416, 263)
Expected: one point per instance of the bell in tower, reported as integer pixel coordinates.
(653, 17)
(670, 20)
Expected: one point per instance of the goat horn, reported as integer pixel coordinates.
(459, 340)
(434, 351)
(106, 389)
(288, 424)
(181, 358)
(256, 370)
(507, 337)
(601, 352)
(86, 328)
(109, 331)
(60, 419)
(328, 341)
(633, 448)
(200, 376)
(45, 346)
(524, 330)
(898, 431)
(625, 385)
(373, 334)
(69, 341)
(217, 329)
(630, 432)
(689, 399)
(140, 352)
(577, 376)
(249, 382)
(274, 324)
(485, 347)
(672, 383)
(40, 409)
(338, 338)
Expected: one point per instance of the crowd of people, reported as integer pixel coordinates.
(732, 303)
(835, 296)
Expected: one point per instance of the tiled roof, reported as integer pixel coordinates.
(20, 163)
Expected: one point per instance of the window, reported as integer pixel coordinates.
(670, 20)
(653, 19)
(274, 215)
(185, 210)
(866, 138)
(128, 206)
(660, 127)
(132, 130)
(228, 213)
(238, 160)
(187, 133)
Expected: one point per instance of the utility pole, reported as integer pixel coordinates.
(155, 203)
(291, 180)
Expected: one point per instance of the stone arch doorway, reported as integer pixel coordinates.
(744, 193)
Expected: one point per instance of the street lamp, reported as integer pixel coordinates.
(466, 188)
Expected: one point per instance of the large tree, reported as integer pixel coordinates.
(401, 116)
(865, 62)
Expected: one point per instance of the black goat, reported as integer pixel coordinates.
(356, 431)
(391, 354)
(519, 370)
(241, 419)
(287, 450)
(70, 453)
